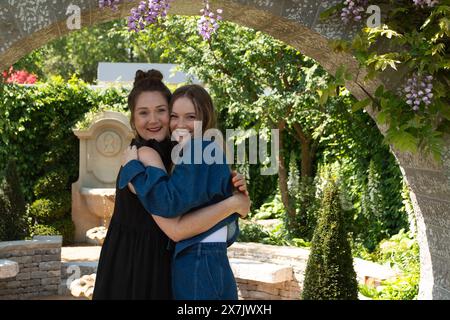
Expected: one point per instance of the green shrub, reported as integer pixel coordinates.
(48, 210)
(44, 230)
(251, 232)
(13, 219)
(273, 208)
(36, 124)
(51, 183)
(63, 227)
(36, 129)
(329, 272)
(401, 251)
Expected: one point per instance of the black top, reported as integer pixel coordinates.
(135, 261)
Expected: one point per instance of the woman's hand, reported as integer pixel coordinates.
(239, 182)
(242, 204)
(130, 153)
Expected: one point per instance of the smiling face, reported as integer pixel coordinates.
(151, 116)
(182, 118)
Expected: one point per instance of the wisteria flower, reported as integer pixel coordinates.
(208, 23)
(148, 12)
(353, 10)
(423, 3)
(418, 90)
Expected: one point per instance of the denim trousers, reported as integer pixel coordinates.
(203, 272)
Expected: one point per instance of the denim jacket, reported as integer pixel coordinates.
(194, 184)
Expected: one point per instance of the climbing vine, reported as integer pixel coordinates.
(414, 37)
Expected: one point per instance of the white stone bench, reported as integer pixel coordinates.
(8, 269)
(260, 271)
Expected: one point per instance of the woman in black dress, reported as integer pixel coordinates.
(135, 261)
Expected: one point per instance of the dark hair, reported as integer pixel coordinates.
(202, 102)
(143, 82)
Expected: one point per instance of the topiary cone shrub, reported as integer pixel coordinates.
(329, 272)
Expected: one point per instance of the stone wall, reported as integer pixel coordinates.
(39, 267)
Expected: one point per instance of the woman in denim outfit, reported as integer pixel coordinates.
(200, 266)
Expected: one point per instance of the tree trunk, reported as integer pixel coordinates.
(283, 178)
(307, 159)
(308, 151)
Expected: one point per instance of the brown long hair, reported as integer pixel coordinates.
(203, 104)
(204, 109)
(143, 82)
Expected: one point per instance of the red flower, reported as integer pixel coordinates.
(20, 77)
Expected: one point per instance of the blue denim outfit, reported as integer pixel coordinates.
(191, 186)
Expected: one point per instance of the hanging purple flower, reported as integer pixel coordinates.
(148, 12)
(423, 3)
(353, 10)
(418, 90)
(113, 4)
(208, 22)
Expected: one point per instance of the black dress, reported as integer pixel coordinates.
(135, 261)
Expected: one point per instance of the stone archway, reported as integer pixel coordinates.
(27, 25)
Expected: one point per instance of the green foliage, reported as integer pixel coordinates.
(51, 183)
(329, 272)
(51, 211)
(273, 208)
(13, 220)
(37, 126)
(109, 99)
(47, 210)
(401, 251)
(371, 178)
(251, 232)
(80, 52)
(64, 227)
(36, 129)
(417, 41)
(302, 191)
(260, 187)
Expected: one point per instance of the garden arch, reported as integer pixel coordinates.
(27, 25)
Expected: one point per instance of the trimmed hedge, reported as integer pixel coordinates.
(330, 274)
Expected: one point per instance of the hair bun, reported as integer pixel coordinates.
(152, 75)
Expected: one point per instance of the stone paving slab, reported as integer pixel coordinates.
(259, 271)
(82, 253)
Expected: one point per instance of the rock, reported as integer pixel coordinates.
(8, 269)
(83, 287)
(96, 235)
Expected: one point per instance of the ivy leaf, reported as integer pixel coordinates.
(382, 117)
(330, 11)
(403, 140)
(323, 97)
(379, 91)
(415, 122)
(390, 33)
(445, 112)
(340, 73)
(361, 104)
